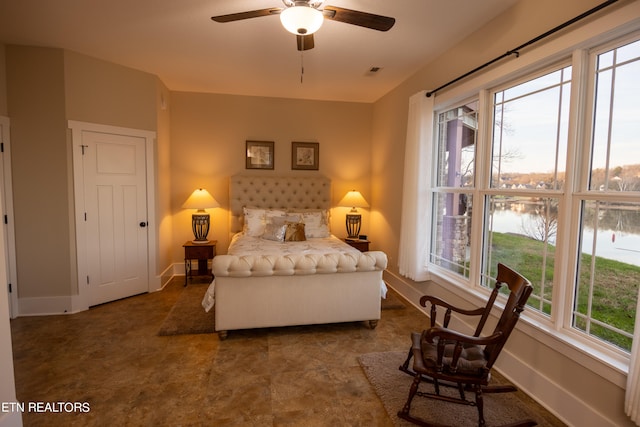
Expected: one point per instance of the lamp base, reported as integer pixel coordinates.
(353, 222)
(200, 225)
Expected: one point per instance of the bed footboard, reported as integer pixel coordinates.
(268, 291)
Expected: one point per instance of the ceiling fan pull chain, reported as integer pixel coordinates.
(302, 65)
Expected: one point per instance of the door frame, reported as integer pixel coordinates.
(80, 301)
(10, 231)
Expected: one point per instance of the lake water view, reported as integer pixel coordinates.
(618, 245)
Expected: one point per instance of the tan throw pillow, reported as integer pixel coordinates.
(295, 232)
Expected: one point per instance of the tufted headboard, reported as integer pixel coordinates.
(276, 192)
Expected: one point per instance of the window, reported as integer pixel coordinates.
(528, 152)
(452, 198)
(547, 199)
(608, 276)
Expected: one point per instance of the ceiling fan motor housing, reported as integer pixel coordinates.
(301, 17)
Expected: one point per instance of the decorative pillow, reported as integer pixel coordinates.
(316, 222)
(255, 220)
(274, 231)
(294, 232)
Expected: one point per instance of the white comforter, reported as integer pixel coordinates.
(242, 244)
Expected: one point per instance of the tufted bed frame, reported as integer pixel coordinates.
(258, 291)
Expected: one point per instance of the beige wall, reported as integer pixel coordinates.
(3, 81)
(36, 99)
(101, 92)
(208, 134)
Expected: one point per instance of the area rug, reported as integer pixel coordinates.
(391, 302)
(392, 387)
(187, 315)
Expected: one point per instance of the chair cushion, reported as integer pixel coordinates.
(471, 362)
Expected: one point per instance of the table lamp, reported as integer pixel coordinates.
(354, 200)
(200, 200)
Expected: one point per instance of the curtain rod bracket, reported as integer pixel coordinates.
(514, 52)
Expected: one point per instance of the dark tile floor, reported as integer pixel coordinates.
(112, 358)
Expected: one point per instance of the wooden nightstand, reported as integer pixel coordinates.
(203, 252)
(361, 245)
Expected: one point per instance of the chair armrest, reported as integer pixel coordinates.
(456, 337)
(439, 302)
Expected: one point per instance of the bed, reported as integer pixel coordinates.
(263, 282)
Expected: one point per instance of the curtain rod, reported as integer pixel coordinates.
(516, 51)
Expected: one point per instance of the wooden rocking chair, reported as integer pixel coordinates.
(444, 357)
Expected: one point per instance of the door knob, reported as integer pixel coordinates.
(143, 224)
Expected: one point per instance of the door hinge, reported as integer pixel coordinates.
(87, 279)
(1, 147)
(85, 216)
(83, 147)
(6, 219)
(10, 288)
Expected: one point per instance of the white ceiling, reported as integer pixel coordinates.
(177, 41)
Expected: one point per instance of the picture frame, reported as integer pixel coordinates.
(259, 155)
(305, 155)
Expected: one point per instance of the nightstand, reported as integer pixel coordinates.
(361, 245)
(203, 252)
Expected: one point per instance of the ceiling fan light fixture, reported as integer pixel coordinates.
(301, 20)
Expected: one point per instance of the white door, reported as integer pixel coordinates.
(115, 215)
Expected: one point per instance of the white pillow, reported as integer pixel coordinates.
(256, 219)
(316, 222)
(253, 222)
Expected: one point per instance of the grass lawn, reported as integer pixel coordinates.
(615, 285)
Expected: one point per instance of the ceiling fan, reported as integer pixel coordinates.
(304, 17)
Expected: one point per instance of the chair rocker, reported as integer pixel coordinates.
(447, 358)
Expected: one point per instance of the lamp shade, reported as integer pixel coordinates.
(301, 20)
(353, 199)
(200, 199)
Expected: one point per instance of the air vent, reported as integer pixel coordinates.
(373, 71)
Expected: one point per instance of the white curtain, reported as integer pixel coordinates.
(415, 231)
(632, 395)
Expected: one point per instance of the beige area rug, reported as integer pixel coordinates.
(392, 387)
(187, 315)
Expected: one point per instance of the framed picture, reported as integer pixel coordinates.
(260, 155)
(305, 155)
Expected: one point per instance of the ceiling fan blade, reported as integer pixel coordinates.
(363, 19)
(305, 42)
(247, 15)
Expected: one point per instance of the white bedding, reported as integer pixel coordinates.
(242, 244)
